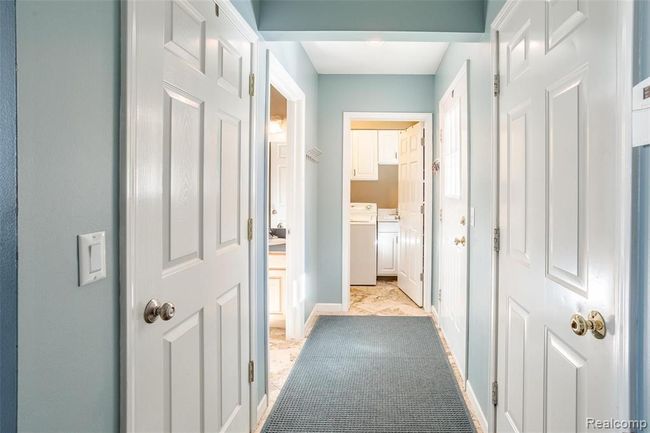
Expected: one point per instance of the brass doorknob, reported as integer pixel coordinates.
(153, 310)
(460, 241)
(594, 323)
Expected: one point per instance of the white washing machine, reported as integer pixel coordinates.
(363, 244)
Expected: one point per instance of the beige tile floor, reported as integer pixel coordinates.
(384, 299)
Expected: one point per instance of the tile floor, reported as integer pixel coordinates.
(384, 299)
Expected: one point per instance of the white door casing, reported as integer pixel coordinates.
(411, 212)
(454, 197)
(186, 189)
(279, 183)
(558, 214)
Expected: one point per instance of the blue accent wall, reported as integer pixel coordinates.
(8, 219)
(338, 94)
(68, 56)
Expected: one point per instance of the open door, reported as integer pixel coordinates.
(411, 211)
(454, 198)
(186, 273)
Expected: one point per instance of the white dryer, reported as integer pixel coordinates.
(363, 244)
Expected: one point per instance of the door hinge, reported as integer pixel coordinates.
(422, 276)
(251, 371)
(216, 9)
(495, 393)
(440, 215)
(439, 296)
(496, 240)
(250, 229)
(422, 208)
(497, 84)
(251, 84)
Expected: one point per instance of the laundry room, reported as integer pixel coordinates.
(381, 186)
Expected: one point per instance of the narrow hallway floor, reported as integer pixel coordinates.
(384, 299)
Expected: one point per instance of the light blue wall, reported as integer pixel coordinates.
(68, 136)
(337, 94)
(294, 59)
(480, 235)
(373, 15)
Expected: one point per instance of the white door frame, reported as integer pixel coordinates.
(623, 166)
(462, 74)
(295, 290)
(129, 238)
(427, 119)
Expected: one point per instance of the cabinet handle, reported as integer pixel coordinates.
(395, 155)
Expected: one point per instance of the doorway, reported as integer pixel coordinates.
(285, 227)
(385, 156)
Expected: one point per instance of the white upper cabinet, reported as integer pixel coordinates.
(388, 145)
(364, 155)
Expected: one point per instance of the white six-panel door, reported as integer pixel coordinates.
(454, 197)
(189, 153)
(411, 207)
(279, 179)
(558, 214)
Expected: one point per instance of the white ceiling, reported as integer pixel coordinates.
(375, 57)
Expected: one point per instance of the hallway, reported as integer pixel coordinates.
(386, 300)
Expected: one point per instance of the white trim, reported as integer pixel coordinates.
(460, 75)
(227, 7)
(348, 117)
(476, 407)
(260, 409)
(316, 312)
(295, 290)
(623, 322)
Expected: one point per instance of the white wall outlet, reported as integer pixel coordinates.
(92, 257)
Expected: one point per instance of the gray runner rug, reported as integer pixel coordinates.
(368, 374)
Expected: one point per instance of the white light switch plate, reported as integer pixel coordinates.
(92, 257)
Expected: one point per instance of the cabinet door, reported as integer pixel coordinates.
(387, 245)
(364, 155)
(276, 294)
(387, 144)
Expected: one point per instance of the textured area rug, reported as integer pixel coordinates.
(371, 374)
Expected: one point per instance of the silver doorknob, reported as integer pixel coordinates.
(153, 310)
(594, 323)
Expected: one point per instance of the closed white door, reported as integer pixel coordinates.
(411, 212)
(558, 215)
(454, 236)
(364, 155)
(189, 191)
(387, 147)
(279, 187)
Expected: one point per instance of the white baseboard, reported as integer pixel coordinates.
(317, 310)
(434, 313)
(476, 406)
(262, 406)
(327, 308)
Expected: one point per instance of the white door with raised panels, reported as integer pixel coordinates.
(411, 212)
(279, 183)
(454, 201)
(558, 215)
(187, 246)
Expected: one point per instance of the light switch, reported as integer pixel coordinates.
(92, 257)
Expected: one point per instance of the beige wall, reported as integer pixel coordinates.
(382, 191)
